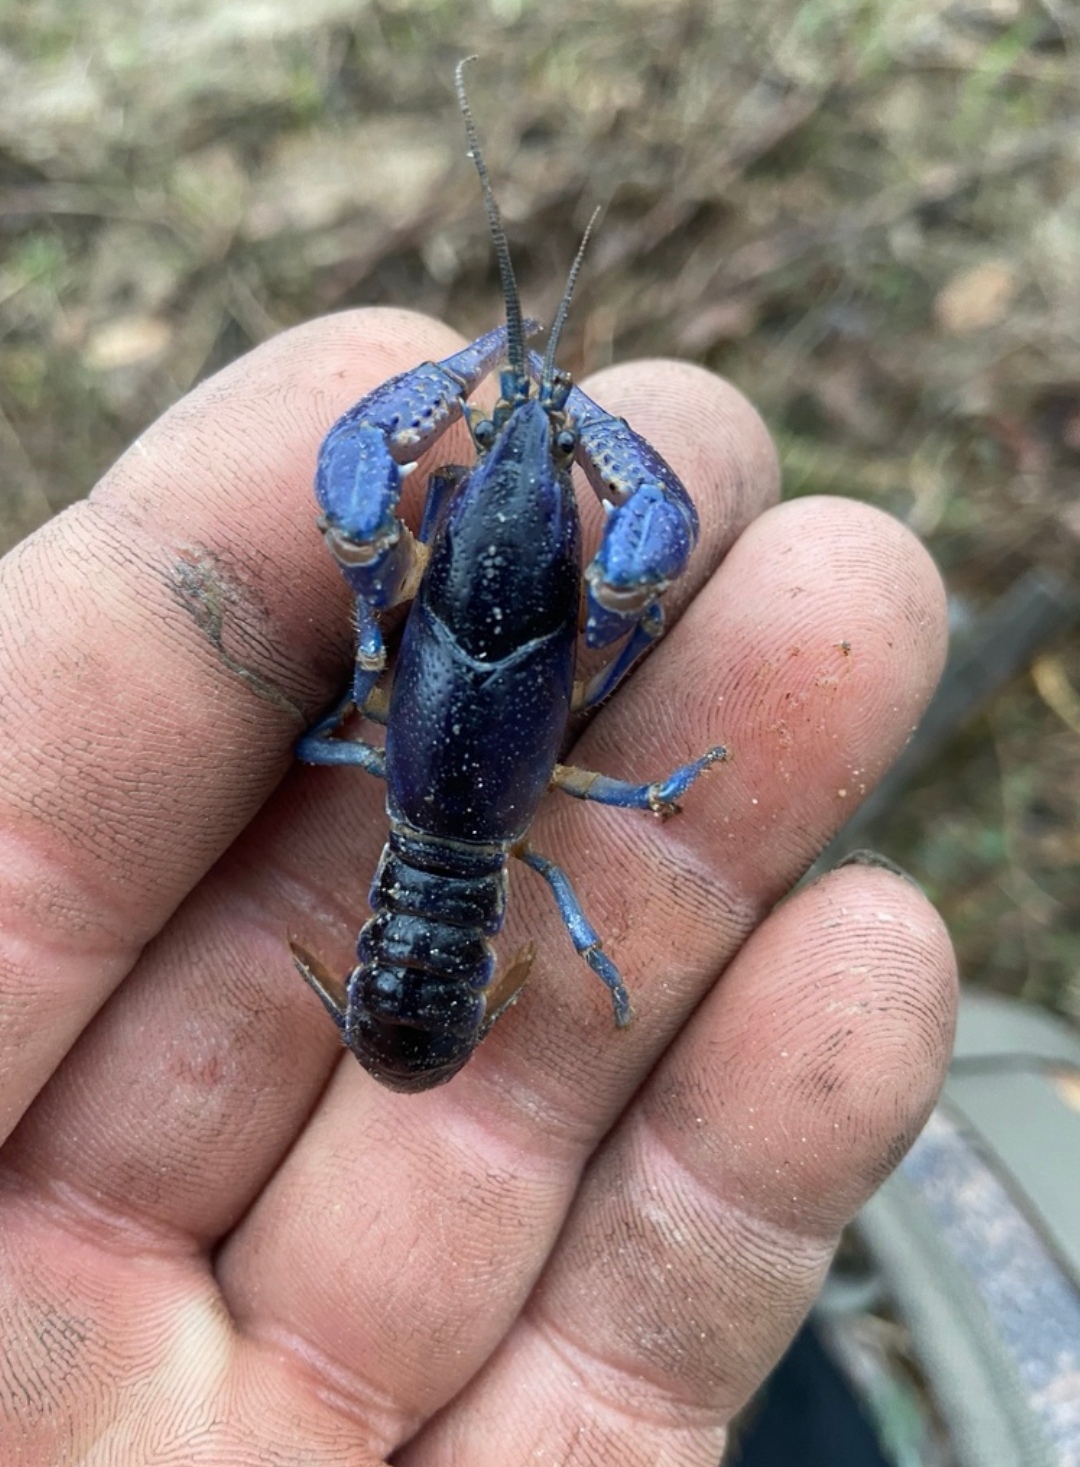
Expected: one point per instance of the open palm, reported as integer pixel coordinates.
(220, 1241)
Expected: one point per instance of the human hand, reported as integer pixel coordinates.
(220, 1241)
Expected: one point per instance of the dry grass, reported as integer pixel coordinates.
(866, 214)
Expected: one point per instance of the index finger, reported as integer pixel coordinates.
(161, 646)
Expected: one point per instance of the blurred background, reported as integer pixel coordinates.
(866, 213)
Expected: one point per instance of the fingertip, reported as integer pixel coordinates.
(833, 1025)
(867, 882)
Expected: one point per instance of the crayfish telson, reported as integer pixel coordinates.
(483, 685)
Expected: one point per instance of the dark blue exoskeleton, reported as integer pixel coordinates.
(483, 685)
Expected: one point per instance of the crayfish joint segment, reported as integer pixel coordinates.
(318, 746)
(583, 935)
(661, 797)
(649, 630)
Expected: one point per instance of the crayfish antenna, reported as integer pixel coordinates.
(547, 375)
(515, 333)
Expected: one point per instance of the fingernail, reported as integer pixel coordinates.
(875, 858)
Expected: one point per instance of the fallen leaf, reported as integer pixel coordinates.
(126, 342)
(975, 298)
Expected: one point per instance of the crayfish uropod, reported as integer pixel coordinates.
(483, 684)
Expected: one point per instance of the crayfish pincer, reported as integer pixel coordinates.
(483, 683)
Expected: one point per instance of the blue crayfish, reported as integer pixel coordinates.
(483, 684)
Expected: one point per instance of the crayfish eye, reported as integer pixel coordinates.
(565, 442)
(484, 433)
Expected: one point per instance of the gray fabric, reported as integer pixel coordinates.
(990, 1027)
(974, 1377)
